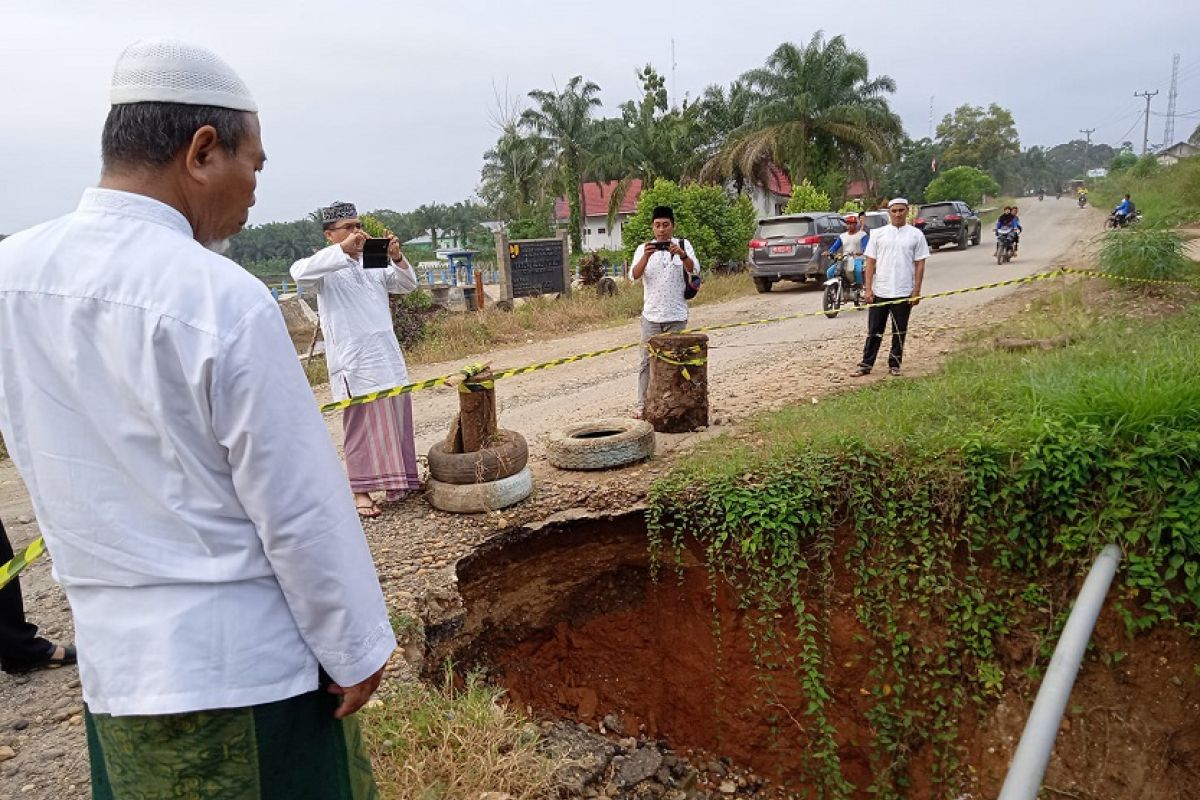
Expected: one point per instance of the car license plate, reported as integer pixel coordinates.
(782, 249)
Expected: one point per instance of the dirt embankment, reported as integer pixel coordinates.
(569, 620)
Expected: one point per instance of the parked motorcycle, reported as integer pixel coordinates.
(1006, 245)
(1115, 221)
(846, 284)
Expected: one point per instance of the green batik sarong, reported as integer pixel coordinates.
(290, 750)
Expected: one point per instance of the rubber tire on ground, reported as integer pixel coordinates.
(575, 448)
(762, 284)
(480, 497)
(964, 239)
(978, 237)
(502, 459)
(830, 302)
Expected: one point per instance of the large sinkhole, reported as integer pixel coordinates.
(569, 620)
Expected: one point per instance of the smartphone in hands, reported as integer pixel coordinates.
(375, 254)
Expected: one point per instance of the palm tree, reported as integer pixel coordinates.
(515, 175)
(562, 119)
(817, 108)
(432, 219)
(648, 141)
(720, 115)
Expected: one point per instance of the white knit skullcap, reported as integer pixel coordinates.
(897, 201)
(170, 71)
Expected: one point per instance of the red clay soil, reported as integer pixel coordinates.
(593, 635)
(658, 667)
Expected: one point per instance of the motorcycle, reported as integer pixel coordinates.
(1114, 221)
(845, 285)
(1041, 196)
(1006, 245)
(1082, 200)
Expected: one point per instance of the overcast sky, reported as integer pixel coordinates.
(389, 104)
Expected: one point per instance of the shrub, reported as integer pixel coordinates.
(718, 227)
(961, 183)
(806, 197)
(1146, 253)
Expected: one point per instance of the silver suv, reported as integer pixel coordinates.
(792, 247)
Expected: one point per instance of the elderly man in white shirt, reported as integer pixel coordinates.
(895, 269)
(664, 265)
(227, 610)
(363, 355)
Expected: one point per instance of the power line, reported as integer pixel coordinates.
(1125, 136)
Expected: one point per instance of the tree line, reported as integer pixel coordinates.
(814, 109)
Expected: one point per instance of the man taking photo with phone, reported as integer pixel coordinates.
(663, 265)
(363, 355)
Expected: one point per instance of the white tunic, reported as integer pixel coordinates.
(190, 496)
(361, 353)
(896, 251)
(662, 299)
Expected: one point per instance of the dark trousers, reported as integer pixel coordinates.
(19, 643)
(877, 318)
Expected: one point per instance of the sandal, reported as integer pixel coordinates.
(894, 371)
(859, 372)
(48, 662)
(367, 510)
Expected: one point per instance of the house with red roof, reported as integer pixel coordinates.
(597, 233)
(770, 199)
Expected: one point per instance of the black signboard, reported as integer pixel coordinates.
(537, 267)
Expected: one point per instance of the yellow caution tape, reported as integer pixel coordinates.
(432, 383)
(699, 361)
(22, 560)
(12, 568)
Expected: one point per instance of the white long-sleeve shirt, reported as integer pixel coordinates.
(361, 351)
(193, 504)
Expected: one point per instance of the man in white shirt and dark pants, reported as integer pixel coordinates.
(227, 610)
(663, 267)
(895, 269)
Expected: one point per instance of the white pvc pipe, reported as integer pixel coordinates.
(1028, 766)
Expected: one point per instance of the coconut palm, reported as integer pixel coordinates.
(561, 119)
(817, 108)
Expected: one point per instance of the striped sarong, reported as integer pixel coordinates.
(288, 750)
(380, 450)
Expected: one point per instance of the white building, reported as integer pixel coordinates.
(597, 233)
(1180, 150)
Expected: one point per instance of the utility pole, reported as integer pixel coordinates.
(1146, 132)
(674, 88)
(1087, 148)
(930, 116)
(1172, 96)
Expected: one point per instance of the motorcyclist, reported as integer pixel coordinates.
(1082, 195)
(1123, 211)
(1017, 229)
(1005, 220)
(851, 243)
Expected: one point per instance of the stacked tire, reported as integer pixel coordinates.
(495, 477)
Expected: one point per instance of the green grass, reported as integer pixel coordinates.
(1125, 377)
(1164, 195)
